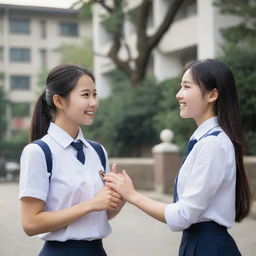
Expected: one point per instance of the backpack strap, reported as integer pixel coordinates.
(216, 133)
(47, 153)
(98, 148)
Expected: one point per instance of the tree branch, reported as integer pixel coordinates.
(104, 5)
(164, 26)
(113, 54)
(142, 22)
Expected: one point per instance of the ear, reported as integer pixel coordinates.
(213, 95)
(58, 101)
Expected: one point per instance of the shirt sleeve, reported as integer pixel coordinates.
(206, 176)
(34, 178)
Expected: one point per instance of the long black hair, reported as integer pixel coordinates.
(210, 74)
(61, 80)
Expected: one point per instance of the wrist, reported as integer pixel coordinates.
(88, 206)
(133, 197)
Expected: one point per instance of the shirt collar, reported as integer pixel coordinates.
(62, 137)
(205, 127)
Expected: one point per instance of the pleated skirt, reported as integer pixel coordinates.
(73, 248)
(207, 239)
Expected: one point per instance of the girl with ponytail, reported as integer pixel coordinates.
(69, 207)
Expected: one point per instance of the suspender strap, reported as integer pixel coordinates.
(47, 154)
(98, 148)
(216, 133)
(175, 192)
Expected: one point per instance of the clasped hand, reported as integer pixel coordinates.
(121, 183)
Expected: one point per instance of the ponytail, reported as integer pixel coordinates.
(61, 80)
(41, 119)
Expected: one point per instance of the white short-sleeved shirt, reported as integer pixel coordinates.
(71, 183)
(206, 181)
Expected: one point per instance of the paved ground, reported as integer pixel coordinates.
(134, 234)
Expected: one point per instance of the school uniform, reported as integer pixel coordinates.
(71, 182)
(205, 205)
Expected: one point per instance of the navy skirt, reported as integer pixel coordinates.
(73, 248)
(207, 238)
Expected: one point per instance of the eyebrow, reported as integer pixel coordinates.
(87, 90)
(187, 82)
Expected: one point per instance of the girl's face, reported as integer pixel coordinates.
(80, 106)
(193, 103)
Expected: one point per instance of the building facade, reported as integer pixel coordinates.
(29, 38)
(195, 34)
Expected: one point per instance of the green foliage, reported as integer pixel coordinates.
(239, 52)
(11, 149)
(114, 23)
(20, 110)
(128, 123)
(168, 116)
(86, 10)
(41, 82)
(81, 54)
(124, 121)
(242, 62)
(246, 30)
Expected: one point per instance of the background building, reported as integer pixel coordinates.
(29, 37)
(194, 35)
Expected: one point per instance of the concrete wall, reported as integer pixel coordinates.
(141, 170)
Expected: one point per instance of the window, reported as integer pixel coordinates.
(19, 26)
(20, 55)
(68, 29)
(20, 110)
(42, 28)
(43, 58)
(20, 82)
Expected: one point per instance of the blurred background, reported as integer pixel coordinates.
(137, 50)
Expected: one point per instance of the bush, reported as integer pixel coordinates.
(11, 149)
(124, 121)
(168, 116)
(241, 60)
(128, 123)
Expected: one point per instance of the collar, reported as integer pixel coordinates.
(62, 137)
(205, 127)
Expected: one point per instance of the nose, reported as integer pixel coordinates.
(93, 102)
(179, 94)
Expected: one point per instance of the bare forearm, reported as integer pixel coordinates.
(47, 221)
(151, 207)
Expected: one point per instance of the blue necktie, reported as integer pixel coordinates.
(78, 145)
(191, 144)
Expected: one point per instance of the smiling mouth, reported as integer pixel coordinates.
(182, 104)
(91, 113)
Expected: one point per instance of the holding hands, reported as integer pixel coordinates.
(121, 183)
(107, 199)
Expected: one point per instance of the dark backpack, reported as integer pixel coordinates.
(48, 154)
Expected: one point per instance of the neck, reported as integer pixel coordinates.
(69, 127)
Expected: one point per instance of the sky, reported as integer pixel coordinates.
(48, 3)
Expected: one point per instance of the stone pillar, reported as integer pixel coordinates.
(167, 161)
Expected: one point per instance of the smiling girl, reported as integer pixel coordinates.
(211, 189)
(70, 206)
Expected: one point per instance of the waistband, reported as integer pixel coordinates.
(76, 243)
(209, 226)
